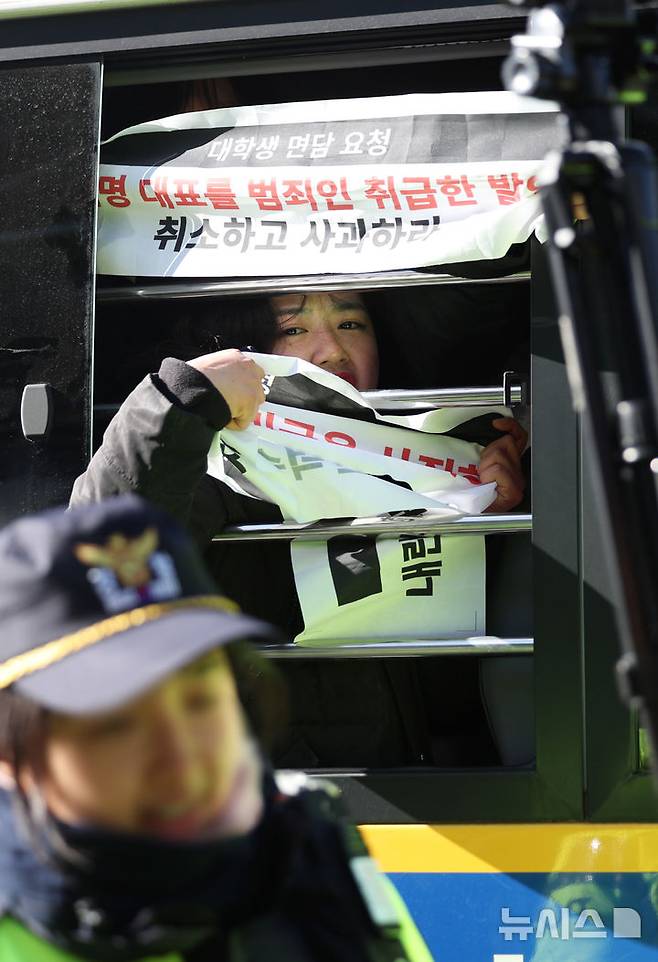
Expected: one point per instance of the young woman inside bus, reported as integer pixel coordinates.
(157, 445)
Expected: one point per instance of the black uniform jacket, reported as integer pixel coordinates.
(361, 713)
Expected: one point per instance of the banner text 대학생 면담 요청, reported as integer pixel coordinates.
(338, 186)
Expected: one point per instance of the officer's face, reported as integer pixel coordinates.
(333, 331)
(176, 762)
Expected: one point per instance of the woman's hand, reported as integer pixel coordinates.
(501, 462)
(238, 379)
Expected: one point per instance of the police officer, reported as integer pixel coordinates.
(137, 816)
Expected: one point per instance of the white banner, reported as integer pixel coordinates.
(332, 186)
(319, 451)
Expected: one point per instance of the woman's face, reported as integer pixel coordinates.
(176, 762)
(333, 331)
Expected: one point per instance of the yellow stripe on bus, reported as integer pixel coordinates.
(514, 848)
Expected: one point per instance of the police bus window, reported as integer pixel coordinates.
(421, 345)
(404, 715)
(428, 337)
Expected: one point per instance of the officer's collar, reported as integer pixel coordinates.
(114, 897)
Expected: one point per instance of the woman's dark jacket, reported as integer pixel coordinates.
(365, 713)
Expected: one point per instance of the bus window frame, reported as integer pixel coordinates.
(231, 31)
(57, 205)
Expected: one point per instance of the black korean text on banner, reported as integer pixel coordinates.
(383, 183)
(332, 456)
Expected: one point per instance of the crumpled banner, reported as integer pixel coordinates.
(320, 451)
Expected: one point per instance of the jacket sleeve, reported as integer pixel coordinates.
(157, 446)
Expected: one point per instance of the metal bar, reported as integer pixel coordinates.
(404, 649)
(461, 397)
(185, 290)
(337, 59)
(401, 400)
(383, 526)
